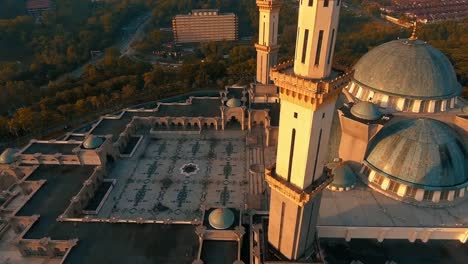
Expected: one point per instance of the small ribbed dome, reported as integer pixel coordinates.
(420, 152)
(221, 218)
(92, 142)
(366, 110)
(8, 156)
(407, 68)
(233, 102)
(343, 176)
(465, 109)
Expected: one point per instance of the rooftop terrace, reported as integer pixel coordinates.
(51, 148)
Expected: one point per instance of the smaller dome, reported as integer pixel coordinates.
(233, 102)
(424, 153)
(343, 176)
(366, 111)
(465, 109)
(92, 142)
(7, 157)
(221, 218)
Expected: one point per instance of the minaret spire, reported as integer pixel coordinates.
(316, 36)
(413, 35)
(267, 46)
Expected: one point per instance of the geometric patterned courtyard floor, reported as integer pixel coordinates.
(173, 178)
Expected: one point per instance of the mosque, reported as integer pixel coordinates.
(254, 174)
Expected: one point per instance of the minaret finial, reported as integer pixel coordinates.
(413, 35)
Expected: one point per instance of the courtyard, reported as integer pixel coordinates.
(173, 177)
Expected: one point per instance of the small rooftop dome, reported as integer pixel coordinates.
(233, 102)
(366, 110)
(92, 142)
(343, 177)
(465, 109)
(221, 218)
(8, 156)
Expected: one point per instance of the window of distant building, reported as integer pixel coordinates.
(325, 3)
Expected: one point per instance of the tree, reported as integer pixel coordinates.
(4, 131)
(128, 91)
(25, 119)
(81, 106)
(111, 56)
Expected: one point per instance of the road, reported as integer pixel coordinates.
(130, 32)
(137, 32)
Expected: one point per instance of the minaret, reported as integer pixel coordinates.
(267, 46)
(316, 35)
(308, 93)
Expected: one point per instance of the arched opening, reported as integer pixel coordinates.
(110, 159)
(233, 123)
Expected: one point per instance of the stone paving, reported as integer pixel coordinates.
(173, 178)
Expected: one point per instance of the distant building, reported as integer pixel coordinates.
(35, 8)
(204, 25)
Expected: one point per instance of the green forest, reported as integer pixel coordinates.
(32, 54)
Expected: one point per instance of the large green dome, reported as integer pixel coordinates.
(407, 68)
(424, 153)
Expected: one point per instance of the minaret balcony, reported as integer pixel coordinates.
(296, 194)
(270, 48)
(309, 93)
(269, 4)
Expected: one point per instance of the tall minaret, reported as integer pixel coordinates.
(316, 36)
(308, 93)
(267, 46)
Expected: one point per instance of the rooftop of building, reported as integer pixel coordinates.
(39, 4)
(51, 148)
(363, 207)
(274, 111)
(51, 200)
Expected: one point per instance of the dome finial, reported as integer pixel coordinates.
(413, 35)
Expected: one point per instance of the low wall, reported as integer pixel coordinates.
(381, 233)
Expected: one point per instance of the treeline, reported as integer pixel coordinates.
(33, 53)
(115, 82)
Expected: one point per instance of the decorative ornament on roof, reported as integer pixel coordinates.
(413, 35)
